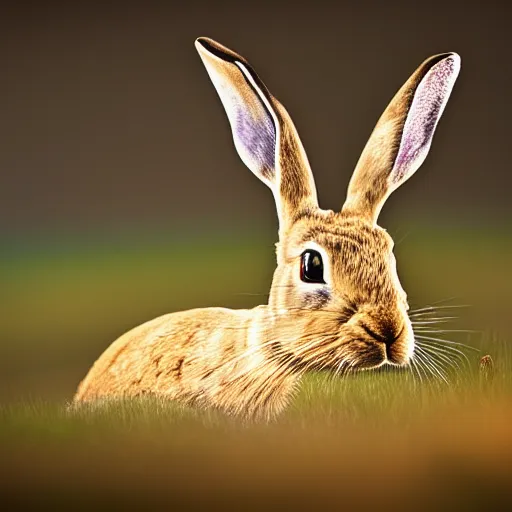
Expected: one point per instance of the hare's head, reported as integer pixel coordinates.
(336, 296)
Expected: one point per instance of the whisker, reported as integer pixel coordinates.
(441, 348)
(435, 370)
(419, 367)
(451, 360)
(447, 342)
(447, 349)
(314, 343)
(441, 301)
(418, 370)
(433, 309)
(430, 321)
(422, 365)
(424, 330)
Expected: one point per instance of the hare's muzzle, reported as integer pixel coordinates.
(392, 333)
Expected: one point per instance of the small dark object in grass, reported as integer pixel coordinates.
(487, 368)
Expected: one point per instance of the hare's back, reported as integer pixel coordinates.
(165, 356)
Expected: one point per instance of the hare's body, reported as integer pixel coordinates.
(336, 301)
(181, 356)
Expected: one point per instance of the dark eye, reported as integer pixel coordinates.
(311, 267)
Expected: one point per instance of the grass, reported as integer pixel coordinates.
(376, 438)
(405, 437)
(378, 398)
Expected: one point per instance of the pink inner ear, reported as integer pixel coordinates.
(427, 106)
(255, 139)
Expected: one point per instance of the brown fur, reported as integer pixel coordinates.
(248, 362)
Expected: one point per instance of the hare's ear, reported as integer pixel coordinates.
(264, 135)
(401, 139)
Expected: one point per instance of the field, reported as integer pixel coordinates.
(388, 438)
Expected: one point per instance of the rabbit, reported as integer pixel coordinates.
(335, 303)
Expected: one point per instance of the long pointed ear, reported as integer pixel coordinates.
(401, 139)
(263, 132)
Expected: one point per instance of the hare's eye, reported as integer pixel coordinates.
(311, 267)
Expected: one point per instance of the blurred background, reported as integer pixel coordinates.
(122, 197)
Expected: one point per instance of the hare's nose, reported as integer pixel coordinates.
(385, 332)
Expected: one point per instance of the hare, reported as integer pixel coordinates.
(336, 302)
